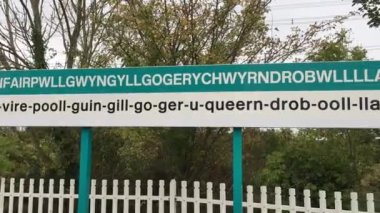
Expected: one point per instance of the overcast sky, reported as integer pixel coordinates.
(304, 12)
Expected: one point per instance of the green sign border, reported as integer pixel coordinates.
(372, 66)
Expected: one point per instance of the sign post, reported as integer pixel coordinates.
(85, 170)
(237, 157)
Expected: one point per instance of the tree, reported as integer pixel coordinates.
(322, 159)
(259, 144)
(31, 28)
(29, 156)
(337, 49)
(7, 149)
(371, 180)
(24, 36)
(80, 27)
(309, 164)
(202, 32)
(370, 9)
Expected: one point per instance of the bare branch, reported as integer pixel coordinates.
(26, 9)
(4, 60)
(11, 40)
(65, 17)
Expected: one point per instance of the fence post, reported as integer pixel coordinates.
(115, 193)
(278, 199)
(307, 200)
(138, 196)
(338, 201)
(40, 195)
(249, 199)
(21, 197)
(92, 196)
(2, 191)
(103, 201)
(71, 195)
(196, 197)
(354, 202)
(209, 198)
(370, 203)
(172, 196)
(126, 196)
(161, 192)
(51, 193)
(11, 195)
(322, 201)
(292, 200)
(61, 194)
(263, 199)
(30, 195)
(222, 198)
(183, 197)
(149, 205)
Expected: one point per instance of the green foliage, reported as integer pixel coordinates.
(22, 156)
(371, 180)
(7, 150)
(181, 153)
(370, 9)
(337, 49)
(358, 53)
(136, 151)
(195, 32)
(332, 160)
(202, 32)
(196, 153)
(258, 145)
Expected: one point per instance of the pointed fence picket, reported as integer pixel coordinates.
(15, 196)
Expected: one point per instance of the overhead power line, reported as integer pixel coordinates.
(295, 22)
(372, 46)
(310, 4)
(313, 18)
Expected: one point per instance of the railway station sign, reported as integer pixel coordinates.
(327, 94)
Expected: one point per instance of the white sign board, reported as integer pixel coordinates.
(339, 94)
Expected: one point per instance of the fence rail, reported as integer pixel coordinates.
(177, 198)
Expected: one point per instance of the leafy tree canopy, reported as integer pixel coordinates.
(370, 9)
(338, 49)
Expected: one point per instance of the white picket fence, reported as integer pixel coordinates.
(50, 198)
